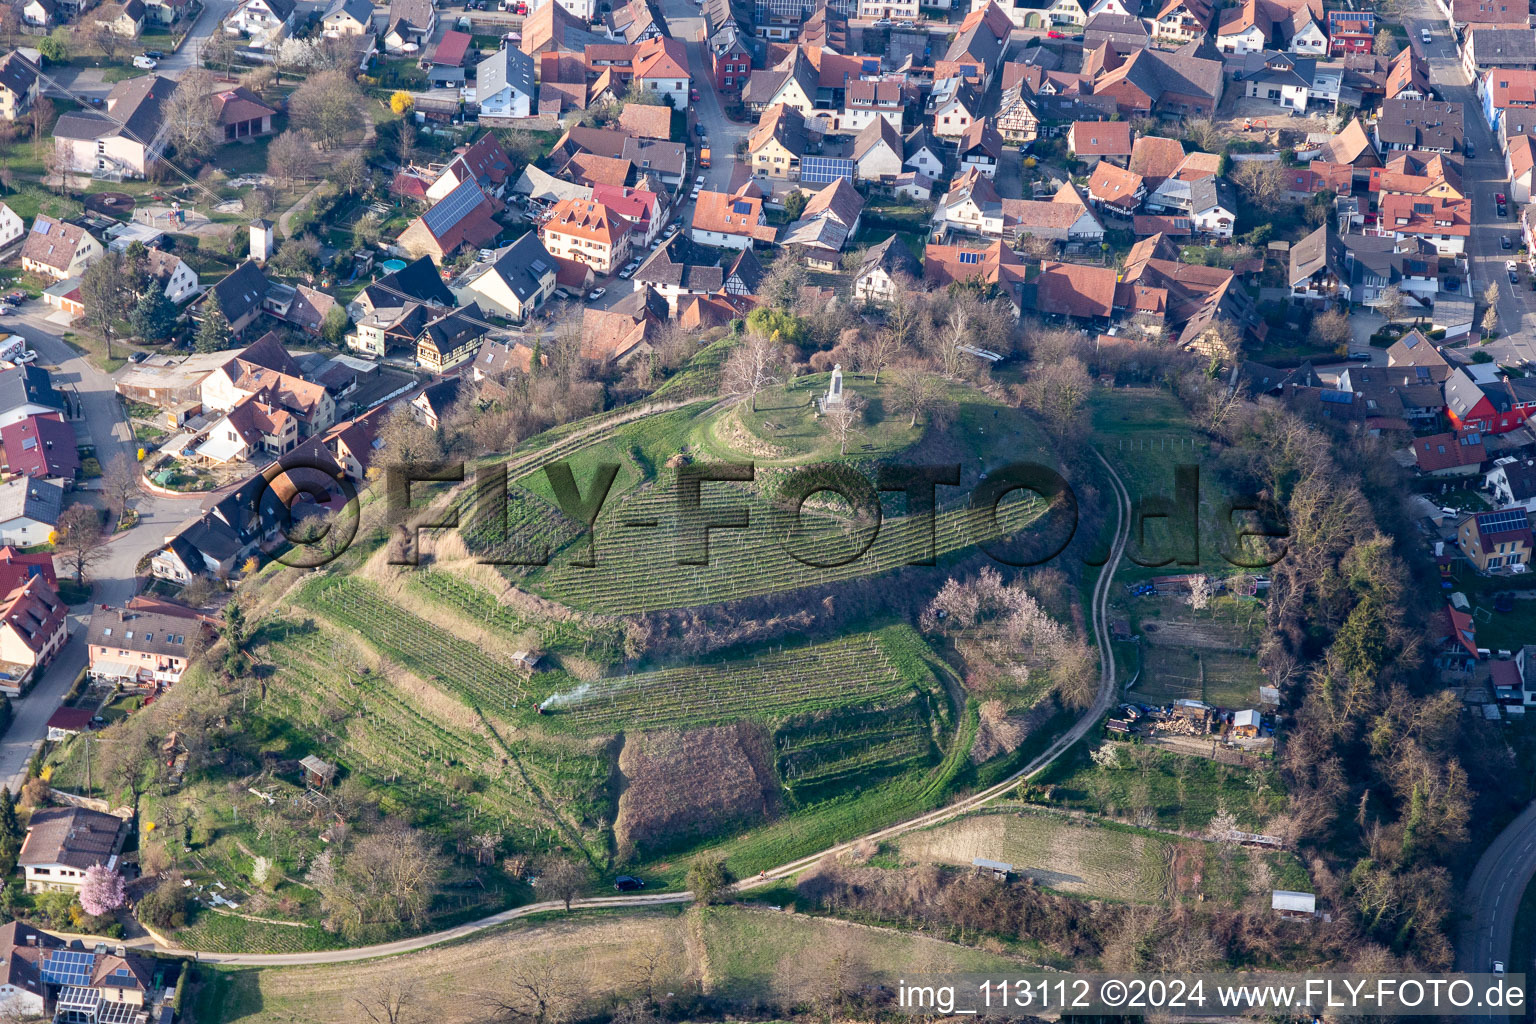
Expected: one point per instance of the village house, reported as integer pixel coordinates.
(888, 269)
(877, 151)
(347, 18)
(504, 84)
(588, 232)
(139, 647)
(515, 283)
(410, 24)
(450, 339)
(125, 143)
(121, 19)
(1455, 453)
(1497, 407)
(207, 546)
(779, 143)
(829, 219)
(264, 23)
(980, 148)
(1350, 32)
(996, 264)
(62, 842)
(18, 86)
(1169, 85)
(675, 272)
(1494, 541)
(1429, 126)
(29, 511)
(41, 447)
(464, 218)
(34, 626)
(58, 250)
(1090, 141)
(732, 221)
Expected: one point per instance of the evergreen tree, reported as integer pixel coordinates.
(153, 315)
(11, 832)
(214, 334)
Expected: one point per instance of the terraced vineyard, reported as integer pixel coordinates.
(819, 757)
(426, 761)
(475, 603)
(637, 568)
(432, 653)
(855, 670)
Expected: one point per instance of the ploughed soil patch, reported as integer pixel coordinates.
(679, 786)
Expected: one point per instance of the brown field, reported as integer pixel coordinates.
(739, 954)
(697, 782)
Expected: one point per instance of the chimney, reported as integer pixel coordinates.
(31, 938)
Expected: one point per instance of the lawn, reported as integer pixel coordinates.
(91, 345)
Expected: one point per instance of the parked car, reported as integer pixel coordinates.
(145, 62)
(698, 130)
(596, 293)
(883, 23)
(1471, 151)
(1053, 34)
(698, 182)
(628, 883)
(1505, 243)
(1503, 210)
(1498, 967)
(155, 54)
(1498, 197)
(16, 298)
(138, 357)
(1425, 36)
(693, 94)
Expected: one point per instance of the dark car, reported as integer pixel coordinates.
(628, 883)
(698, 130)
(1503, 210)
(1452, 284)
(16, 298)
(1504, 242)
(155, 54)
(1471, 151)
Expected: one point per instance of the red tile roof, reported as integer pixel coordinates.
(1447, 451)
(1100, 138)
(1075, 290)
(451, 49)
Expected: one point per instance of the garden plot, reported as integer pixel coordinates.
(1209, 658)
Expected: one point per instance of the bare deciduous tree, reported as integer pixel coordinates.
(915, 392)
(327, 107)
(392, 1001)
(844, 418)
(753, 366)
(1330, 328)
(190, 124)
(289, 157)
(1262, 181)
(1391, 303)
(119, 484)
(562, 879)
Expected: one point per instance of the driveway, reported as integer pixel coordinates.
(113, 578)
(175, 64)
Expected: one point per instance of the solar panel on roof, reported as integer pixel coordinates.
(539, 266)
(741, 206)
(452, 208)
(1498, 522)
(41, 227)
(1336, 397)
(68, 967)
(825, 169)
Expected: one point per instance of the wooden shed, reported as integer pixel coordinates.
(318, 774)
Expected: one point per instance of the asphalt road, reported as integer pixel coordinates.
(1483, 176)
(1492, 899)
(112, 578)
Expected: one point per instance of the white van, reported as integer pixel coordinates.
(145, 62)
